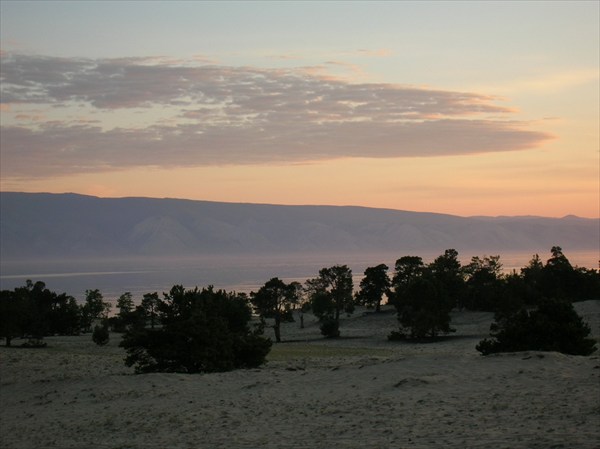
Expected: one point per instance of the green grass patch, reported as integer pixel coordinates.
(298, 351)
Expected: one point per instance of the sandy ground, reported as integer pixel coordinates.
(359, 391)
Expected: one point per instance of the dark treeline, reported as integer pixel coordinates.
(423, 296)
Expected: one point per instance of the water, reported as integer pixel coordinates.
(242, 273)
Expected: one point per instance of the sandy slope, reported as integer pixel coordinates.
(356, 392)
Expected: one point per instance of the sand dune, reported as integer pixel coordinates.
(359, 391)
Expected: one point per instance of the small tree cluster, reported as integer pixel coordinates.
(424, 295)
(201, 331)
(129, 315)
(486, 288)
(330, 294)
(34, 311)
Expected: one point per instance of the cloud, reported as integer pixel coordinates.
(198, 115)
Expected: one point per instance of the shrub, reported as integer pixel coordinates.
(330, 328)
(553, 326)
(100, 335)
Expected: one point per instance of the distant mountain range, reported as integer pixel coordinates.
(68, 225)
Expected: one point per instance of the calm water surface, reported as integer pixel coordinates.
(242, 274)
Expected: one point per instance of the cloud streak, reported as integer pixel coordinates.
(212, 114)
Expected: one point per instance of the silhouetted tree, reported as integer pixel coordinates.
(532, 275)
(425, 295)
(448, 272)
(588, 284)
(95, 308)
(126, 313)
(275, 300)
(150, 303)
(373, 286)
(13, 315)
(65, 315)
(423, 309)
(483, 285)
(407, 269)
(39, 301)
(330, 293)
(558, 276)
(513, 296)
(125, 304)
(34, 311)
(202, 331)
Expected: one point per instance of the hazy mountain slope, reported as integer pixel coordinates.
(48, 225)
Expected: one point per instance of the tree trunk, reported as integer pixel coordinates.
(277, 329)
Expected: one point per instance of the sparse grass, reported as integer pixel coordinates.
(282, 352)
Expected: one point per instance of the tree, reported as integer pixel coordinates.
(202, 331)
(330, 293)
(373, 286)
(13, 315)
(39, 304)
(65, 315)
(128, 315)
(34, 311)
(558, 276)
(298, 300)
(125, 304)
(588, 284)
(532, 275)
(407, 268)
(483, 287)
(150, 303)
(448, 272)
(95, 308)
(553, 326)
(274, 300)
(423, 309)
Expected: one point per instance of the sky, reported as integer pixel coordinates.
(466, 108)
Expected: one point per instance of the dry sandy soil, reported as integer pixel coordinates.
(359, 391)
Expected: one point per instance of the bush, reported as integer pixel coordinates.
(100, 335)
(330, 328)
(251, 350)
(554, 326)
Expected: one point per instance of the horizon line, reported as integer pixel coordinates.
(477, 216)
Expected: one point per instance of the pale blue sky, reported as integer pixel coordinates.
(443, 42)
(529, 70)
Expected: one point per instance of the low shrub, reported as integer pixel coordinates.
(100, 336)
(330, 328)
(553, 326)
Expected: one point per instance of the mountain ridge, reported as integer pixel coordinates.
(46, 225)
